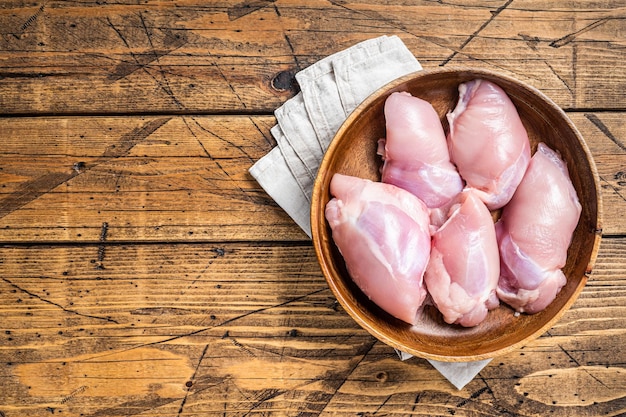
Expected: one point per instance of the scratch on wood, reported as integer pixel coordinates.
(222, 324)
(190, 383)
(150, 402)
(32, 19)
(243, 9)
(581, 367)
(531, 41)
(101, 247)
(338, 379)
(572, 36)
(119, 34)
(219, 252)
(142, 61)
(33, 189)
(160, 311)
(575, 67)
(604, 129)
(74, 393)
(268, 139)
(376, 20)
(489, 390)
(29, 21)
(164, 84)
(496, 405)
(204, 149)
(230, 85)
(382, 404)
(132, 138)
(397, 25)
(104, 231)
(611, 186)
(416, 401)
(293, 54)
(242, 347)
(262, 309)
(494, 14)
(228, 142)
(570, 89)
(241, 192)
(246, 195)
(473, 396)
(569, 355)
(44, 300)
(263, 396)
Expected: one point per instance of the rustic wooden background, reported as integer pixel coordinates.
(144, 272)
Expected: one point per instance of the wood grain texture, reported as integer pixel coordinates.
(143, 272)
(236, 328)
(153, 179)
(187, 56)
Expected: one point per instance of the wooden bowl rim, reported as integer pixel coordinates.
(317, 211)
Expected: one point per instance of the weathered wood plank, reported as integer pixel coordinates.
(241, 328)
(159, 179)
(182, 178)
(604, 133)
(190, 57)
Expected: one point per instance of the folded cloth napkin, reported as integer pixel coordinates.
(330, 90)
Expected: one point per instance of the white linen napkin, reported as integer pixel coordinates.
(330, 90)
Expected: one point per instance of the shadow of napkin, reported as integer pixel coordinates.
(330, 90)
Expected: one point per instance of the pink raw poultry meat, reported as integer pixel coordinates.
(463, 270)
(382, 233)
(534, 233)
(415, 151)
(488, 142)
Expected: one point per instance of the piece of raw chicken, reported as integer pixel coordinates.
(488, 142)
(534, 233)
(415, 151)
(463, 270)
(382, 233)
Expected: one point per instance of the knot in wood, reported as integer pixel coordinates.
(285, 80)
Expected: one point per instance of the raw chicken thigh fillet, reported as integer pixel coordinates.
(382, 234)
(464, 267)
(415, 152)
(488, 142)
(534, 233)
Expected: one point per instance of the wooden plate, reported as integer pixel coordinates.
(353, 152)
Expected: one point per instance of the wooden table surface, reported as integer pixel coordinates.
(144, 272)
